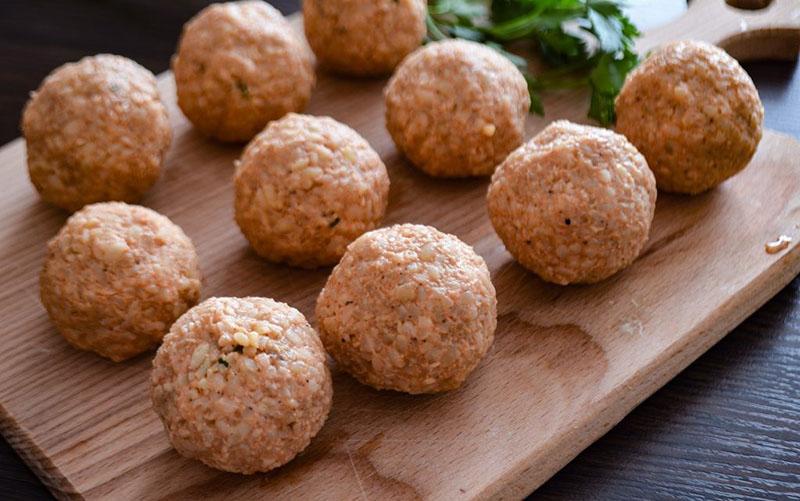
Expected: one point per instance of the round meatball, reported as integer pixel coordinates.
(456, 108)
(408, 308)
(115, 278)
(574, 204)
(241, 384)
(96, 130)
(363, 37)
(694, 114)
(306, 187)
(240, 65)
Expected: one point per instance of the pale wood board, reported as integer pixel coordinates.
(568, 362)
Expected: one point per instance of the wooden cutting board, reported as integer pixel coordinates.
(567, 364)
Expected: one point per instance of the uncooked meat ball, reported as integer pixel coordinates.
(694, 114)
(240, 65)
(241, 384)
(574, 204)
(306, 187)
(96, 130)
(363, 37)
(115, 278)
(456, 108)
(408, 308)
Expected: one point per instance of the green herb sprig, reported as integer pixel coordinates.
(585, 42)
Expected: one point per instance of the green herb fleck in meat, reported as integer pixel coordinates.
(243, 89)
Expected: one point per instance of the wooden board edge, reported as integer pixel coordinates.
(36, 459)
(523, 479)
(535, 470)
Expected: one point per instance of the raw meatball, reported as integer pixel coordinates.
(240, 65)
(363, 37)
(408, 308)
(456, 108)
(574, 204)
(306, 187)
(694, 114)
(115, 278)
(241, 384)
(96, 130)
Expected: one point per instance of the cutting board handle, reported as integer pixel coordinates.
(747, 29)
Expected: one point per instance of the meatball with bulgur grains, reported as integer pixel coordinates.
(456, 108)
(241, 384)
(574, 204)
(363, 37)
(238, 66)
(408, 308)
(306, 187)
(115, 278)
(694, 113)
(95, 131)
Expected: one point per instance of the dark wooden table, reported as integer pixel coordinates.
(728, 426)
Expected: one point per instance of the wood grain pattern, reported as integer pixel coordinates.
(725, 428)
(568, 363)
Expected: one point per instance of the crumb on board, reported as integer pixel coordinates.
(782, 243)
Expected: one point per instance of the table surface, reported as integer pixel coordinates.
(728, 426)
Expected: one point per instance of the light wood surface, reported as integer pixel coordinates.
(567, 364)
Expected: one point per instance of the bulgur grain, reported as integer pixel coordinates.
(238, 66)
(306, 187)
(363, 37)
(238, 411)
(115, 278)
(694, 113)
(396, 321)
(95, 131)
(574, 204)
(456, 108)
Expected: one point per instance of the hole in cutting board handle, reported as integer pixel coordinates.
(770, 31)
(749, 4)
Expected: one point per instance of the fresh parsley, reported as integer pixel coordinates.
(585, 42)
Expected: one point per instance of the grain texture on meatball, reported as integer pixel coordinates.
(456, 108)
(694, 113)
(116, 276)
(306, 187)
(241, 384)
(238, 66)
(363, 37)
(408, 308)
(95, 130)
(574, 204)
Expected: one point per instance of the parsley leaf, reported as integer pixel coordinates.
(606, 80)
(586, 42)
